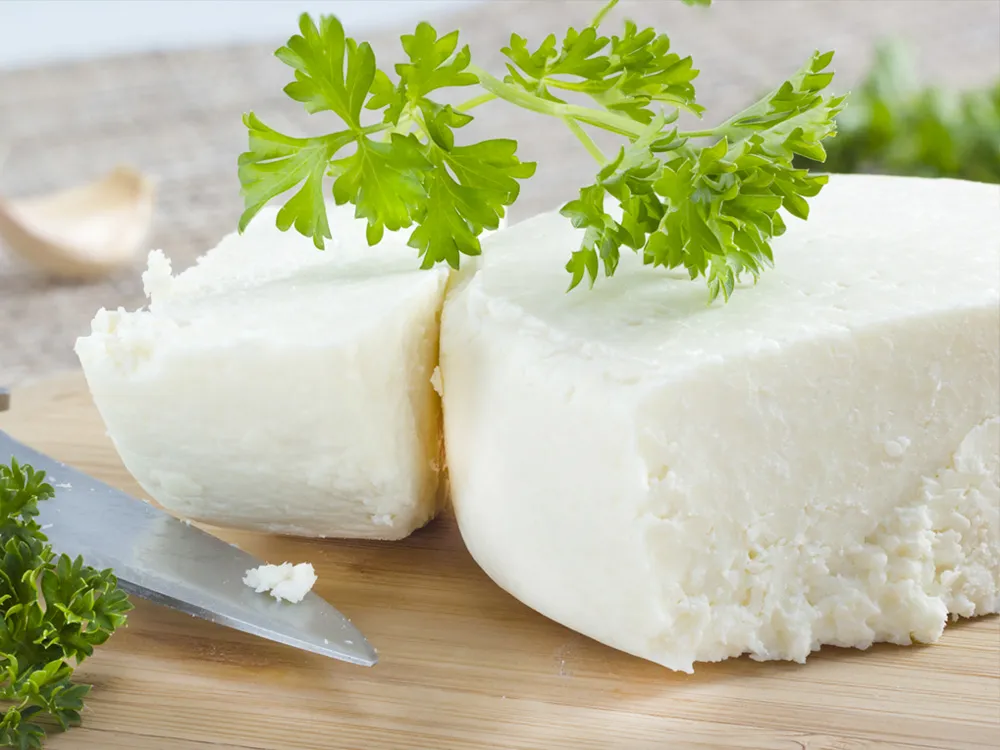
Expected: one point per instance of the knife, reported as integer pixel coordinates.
(169, 562)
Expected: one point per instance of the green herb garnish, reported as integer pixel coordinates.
(53, 612)
(704, 200)
(897, 126)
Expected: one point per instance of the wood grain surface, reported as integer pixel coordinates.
(465, 666)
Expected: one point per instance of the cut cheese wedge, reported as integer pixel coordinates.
(276, 387)
(814, 463)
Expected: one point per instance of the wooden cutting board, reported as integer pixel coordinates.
(464, 665)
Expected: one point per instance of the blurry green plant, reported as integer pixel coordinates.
(896, 126)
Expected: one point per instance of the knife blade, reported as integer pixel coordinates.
(169, 562)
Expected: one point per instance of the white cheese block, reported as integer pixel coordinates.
(814, 463)
(286, 581)
(276, 387)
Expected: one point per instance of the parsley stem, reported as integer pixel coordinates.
(698, 133)
(603, 12)
(586, 140)
(558, 83)
(600, 118)
(475, 102)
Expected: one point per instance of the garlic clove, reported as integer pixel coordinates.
(84, 232)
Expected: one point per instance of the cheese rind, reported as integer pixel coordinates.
(815, 462)
(276, 387)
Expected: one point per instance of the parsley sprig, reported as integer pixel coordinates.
(708, 201)
(53, 612)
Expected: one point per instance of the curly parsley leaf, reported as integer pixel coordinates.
(53, 613)
(275, 164)
(434, 63)
(624, 74)
(714, 209)
(403, 171)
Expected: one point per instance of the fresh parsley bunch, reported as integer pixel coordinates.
(53, 612)
(707, 201)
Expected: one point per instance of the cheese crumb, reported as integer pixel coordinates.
(285, 581)
(158, 278)
(896, 448)
(436, 381)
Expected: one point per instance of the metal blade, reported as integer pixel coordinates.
(169, 562)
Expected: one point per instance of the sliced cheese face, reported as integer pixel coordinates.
(815, 462)
(276, 387)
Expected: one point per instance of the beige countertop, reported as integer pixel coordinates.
(177, 117)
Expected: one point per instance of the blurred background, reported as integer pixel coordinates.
(159, 87)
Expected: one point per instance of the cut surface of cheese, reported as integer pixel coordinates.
(273, 386)
(815, 462)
